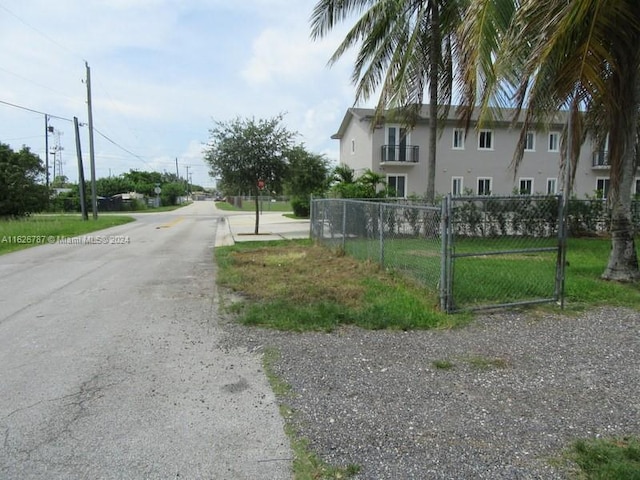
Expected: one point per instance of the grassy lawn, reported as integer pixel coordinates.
(607, 459)
(250, 206)
(37, 229)
(296, 285)
(295, 280)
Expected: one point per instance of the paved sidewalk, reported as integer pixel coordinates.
(239, 227)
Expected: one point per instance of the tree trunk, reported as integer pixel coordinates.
(623, 142)
(257, 226)
(623, 259)
(434, 64)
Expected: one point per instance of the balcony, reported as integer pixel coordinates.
(600, 159)
(399, 154)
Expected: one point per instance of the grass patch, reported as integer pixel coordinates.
(587, 259)
(486, 363)
(607, 459)
(306, 464)
(443, 364)
(295, 285)
(477, 361)
(34, 230)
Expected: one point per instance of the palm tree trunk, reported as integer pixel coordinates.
(434, 63)
(623, 259)
(623, 140)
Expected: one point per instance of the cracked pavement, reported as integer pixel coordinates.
(112, 364)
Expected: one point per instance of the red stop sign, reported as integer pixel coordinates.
(260, 184)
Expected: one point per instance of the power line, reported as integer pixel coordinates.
(113, 142)
(121, 147)
(21, 107)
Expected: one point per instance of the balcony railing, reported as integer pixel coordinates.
(397, 153)
(600, 159)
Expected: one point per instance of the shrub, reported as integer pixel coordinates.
(300, 207)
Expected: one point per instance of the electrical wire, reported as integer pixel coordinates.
(21, 107)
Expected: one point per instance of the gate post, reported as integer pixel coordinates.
(563, 211)
(381, 228)
(344, 225)
(444, 260)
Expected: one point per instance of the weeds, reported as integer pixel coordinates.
(295, 285)
(607, 459)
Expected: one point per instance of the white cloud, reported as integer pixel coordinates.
(163, 70)
(280, 56)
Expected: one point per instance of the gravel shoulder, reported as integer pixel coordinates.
(519, 388)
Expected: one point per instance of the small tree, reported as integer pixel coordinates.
(248, 155)
(171, 191)
(21, 192)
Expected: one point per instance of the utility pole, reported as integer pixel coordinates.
(81, 186)
(177, 172)
(187, 167)
(92, 159)
(46, 147)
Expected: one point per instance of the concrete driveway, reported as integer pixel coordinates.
(111, 365)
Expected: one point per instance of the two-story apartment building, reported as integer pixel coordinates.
(477, 161)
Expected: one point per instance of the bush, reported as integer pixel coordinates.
(301, 207)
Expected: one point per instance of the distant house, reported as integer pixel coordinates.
(477, 161)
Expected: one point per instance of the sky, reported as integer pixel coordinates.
(162, 73)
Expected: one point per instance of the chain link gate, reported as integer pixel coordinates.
(502, 251)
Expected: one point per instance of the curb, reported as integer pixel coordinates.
(224, 237)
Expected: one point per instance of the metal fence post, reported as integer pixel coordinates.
(344, 225)
(312, 226)
(381, 228)
(563, 210)
(444, 228)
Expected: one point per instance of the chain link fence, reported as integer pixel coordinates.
(472, 252)
(391, 234)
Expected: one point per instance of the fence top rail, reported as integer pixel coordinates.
(379, 202)
(473, 198)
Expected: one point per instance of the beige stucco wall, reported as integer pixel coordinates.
(469, 163)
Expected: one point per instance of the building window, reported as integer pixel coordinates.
(456, 185)
(353, 146)
(458, 139)
(530, 142)
(397, 142)
(484, 186)
(398, 184)
(602, 188)
(552, 186)
(485, 140)
(554, 141)
(526, 186)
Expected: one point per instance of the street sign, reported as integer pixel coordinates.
(260, 184)
(157, 190)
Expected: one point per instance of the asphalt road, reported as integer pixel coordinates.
(111, 365)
